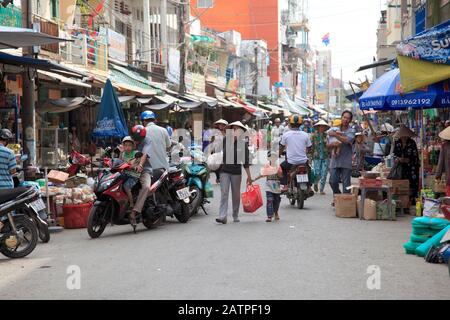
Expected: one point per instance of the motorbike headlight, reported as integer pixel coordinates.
(105, 185)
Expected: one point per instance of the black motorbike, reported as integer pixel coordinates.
(19, 235)
(39, 214)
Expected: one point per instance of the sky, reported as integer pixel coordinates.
(352, 25)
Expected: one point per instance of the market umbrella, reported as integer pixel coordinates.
(425, 58)
(20, 37)
(386, 94)
(110, 119)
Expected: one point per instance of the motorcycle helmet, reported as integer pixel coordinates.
(148, 115)
(138, 133)
(5, 134)
(295, 120)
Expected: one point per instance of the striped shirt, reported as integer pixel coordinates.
(7, 163)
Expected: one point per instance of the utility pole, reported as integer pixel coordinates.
(27, 103)
(255, 85)
(164, 53)
(182, 40)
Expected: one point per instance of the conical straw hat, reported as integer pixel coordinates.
(404, 132)
(445, 134)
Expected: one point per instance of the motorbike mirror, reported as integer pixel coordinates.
(138, 155)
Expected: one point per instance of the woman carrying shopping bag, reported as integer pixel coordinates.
(231, 172)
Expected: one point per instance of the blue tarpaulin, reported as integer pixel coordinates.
(432, 45)
(110, 119)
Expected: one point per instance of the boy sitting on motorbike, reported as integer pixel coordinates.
(128, 155)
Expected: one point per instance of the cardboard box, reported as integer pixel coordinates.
(345, 205)
(440, 186)
(397, 184)
(57, 176)
(370, 210)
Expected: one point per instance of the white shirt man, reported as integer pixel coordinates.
(296, 143)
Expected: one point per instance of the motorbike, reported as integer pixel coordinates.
(197, 175)
(298, 185)
(78, 163)
(19, 235)
(112, 202)
(38, 216)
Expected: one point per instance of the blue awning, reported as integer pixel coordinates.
(41, 64)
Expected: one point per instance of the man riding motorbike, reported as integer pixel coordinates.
(297, 144)
(7, 163)
(154, 148)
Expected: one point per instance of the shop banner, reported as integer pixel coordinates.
(110, 119)
(432, 45)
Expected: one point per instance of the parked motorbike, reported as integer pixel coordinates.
(38, 216)
(19, 234)
(78, 163)
(298, 185)
(197, 176)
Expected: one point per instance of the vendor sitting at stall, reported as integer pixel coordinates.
(444, 158)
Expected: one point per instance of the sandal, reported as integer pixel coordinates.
(269, 220)
(277, 217)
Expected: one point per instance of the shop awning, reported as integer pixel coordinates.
(158, 106)
(424, 58)
(123, 99)
(127, 80)
(144, 100)
(376, 64)
(168, 99)
(62, 105)
(195, 97)
(61, 80)
(21, 37)
(40, 64)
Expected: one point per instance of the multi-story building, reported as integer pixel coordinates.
(385, 51)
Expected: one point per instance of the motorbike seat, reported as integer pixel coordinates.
(9, 194)
(174, 170)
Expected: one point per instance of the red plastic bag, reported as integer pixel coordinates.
(252, 199)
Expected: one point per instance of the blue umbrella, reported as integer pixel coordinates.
(443, 94)
(386, 94)
(110, 119)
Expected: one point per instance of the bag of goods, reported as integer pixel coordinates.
(430, 223)
(252, 199)
(411, 247)
(431, 207)
(423, 249)
(383, 210)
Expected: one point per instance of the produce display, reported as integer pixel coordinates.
(69, 196)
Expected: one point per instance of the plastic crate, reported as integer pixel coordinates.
(76, 215)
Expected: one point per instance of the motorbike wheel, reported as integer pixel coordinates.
(97, 220)
(197, 201)
(149, 224)
(30, 238)
(301, 199)
(44, 233)
(185, 213)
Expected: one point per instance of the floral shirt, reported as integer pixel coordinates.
(319, 142)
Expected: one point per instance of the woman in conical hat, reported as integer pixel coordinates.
(444, 158)
(407, 154)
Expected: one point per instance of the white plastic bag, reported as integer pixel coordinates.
(215, 161)
(431, 208)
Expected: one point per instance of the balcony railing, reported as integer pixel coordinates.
(87, 52)
(51, 28)
(10, 16)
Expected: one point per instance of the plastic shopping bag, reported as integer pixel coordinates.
(252, 199)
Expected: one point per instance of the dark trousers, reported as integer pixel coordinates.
(340, 174)
(286, 167)
(273, 203)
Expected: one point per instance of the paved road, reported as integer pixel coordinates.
(309, 254)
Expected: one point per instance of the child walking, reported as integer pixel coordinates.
(273, 188)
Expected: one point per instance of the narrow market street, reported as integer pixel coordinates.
(308, 254)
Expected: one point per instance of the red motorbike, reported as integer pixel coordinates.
(112, 202)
